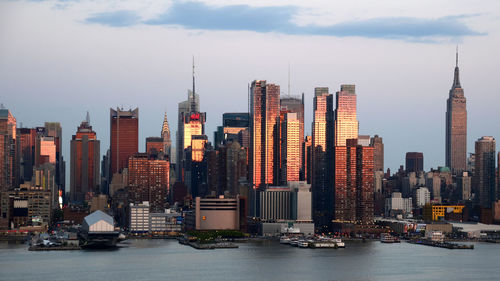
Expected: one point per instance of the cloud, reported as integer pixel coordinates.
(280, 19)
(116, 18)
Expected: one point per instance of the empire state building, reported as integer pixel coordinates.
(456, 126)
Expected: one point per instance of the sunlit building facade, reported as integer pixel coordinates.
(124, 137)
(84, 169)
(264, 111)
(346, 123)
(295, 104)
(290, 148)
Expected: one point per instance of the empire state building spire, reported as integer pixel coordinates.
(456, 125)
(456, 78)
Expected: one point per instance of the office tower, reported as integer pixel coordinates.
(307, 158)
(232, 125)
(165, 135)
(53, 129)
(484, 172)
(321, 138)
(148, 180)
(295, 104)
(196, 166)
(191, 122)
(26, 139)
(290, 148)
(264, 111)
(45, 150)
(378, 153)
(456, 126)
(346, 150)
(155, 147)
(346, 124)
(124, 137)
(414, 162)
(85, 153)
(8, 169)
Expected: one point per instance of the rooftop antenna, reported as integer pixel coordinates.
(87, 118)
(456, 62)
(193, 100)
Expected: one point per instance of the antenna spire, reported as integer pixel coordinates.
(456, 63)
(193, 78)
(87, 118)
(288, 78)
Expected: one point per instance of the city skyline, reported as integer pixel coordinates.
(416, 123)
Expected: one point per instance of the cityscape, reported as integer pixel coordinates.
(281, 176)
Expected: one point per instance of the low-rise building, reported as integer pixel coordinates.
(214, 214)
(139, 219)
(164, 223)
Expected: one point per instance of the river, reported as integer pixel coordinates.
(256, 260)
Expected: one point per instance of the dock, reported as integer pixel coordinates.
(446, 245)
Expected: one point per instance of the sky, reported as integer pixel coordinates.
(60, 59)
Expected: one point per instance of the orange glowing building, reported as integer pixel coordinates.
(346, 124)
(264, 113)
(124, 137)
(84, 169)
(148, 180)
(290, 148)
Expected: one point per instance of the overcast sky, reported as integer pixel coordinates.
(59, 59)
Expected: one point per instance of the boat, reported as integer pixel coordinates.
(388, 238)
(303, 244)
(285, 240)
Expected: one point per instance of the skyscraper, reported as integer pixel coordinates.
(8, 175)
(290, 148)
(54, 129)
(165, 135)
(191, 122)
(346, 124)
(378, 153)
(322, 137)
(85, 154)
(484, 172)
(414, 162)
(295, 104)
(264, 111)
(346, 149)
(124, 137)
(456, 126)
(26, 148)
